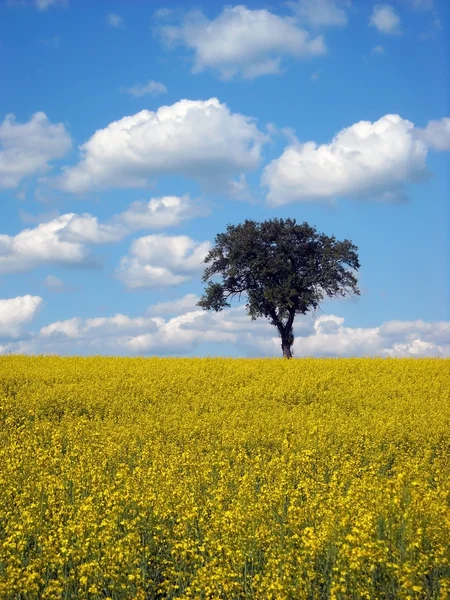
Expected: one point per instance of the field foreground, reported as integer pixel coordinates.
(224, 478)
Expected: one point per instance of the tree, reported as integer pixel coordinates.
(284, 268)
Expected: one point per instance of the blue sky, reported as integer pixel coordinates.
(131, 133)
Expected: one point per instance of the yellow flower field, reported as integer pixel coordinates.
(224, 478)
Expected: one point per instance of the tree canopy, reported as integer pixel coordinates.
(284, 268)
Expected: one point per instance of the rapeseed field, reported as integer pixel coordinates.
(224, 478)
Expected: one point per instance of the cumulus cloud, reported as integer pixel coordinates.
(416, 338)
(152, 334)
(156, 213)
(63, 239)
(202, 140)
(141, 89)
(177, 335)
(416, 348)
(242, 42)
(365, 160)
(171, 307)
(321, 13)
(158, 334)
(85, 229)
(32, 247)
(59, 241)
(166, 211)
(115, 21)
(17, 312)
(408, 331)
(385, 18)
(27, 148)
(436, 134)
(158, 261)
(98, 327)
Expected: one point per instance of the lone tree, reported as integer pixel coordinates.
(285, 269)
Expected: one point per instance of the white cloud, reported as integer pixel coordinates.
(115, 21)
(32, 247)
(54, 283)
(27, 148)
(408, 331)
(365, 160)
(171, 307)
(315, 76)
(159, 261)
(244, 42)
(98, 327)
(416, 348)
(140, 89)
(178, 335)
(167, 211)
(385, 19)
(332, 338)
(328, 324)
(153, 334)
(17, 312)
(59, 241)
(321, 13)
(181, 334)
(378, 51)
(43, 5)
(85, 229)
(62, 239)
(436, 134)
(202, 140)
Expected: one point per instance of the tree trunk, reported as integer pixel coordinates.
(286, 347)
(287, 336)
(287, 339)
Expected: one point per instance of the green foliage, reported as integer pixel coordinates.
(285, 269)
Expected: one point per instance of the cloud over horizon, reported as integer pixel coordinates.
(17, 312)
(159, 334)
